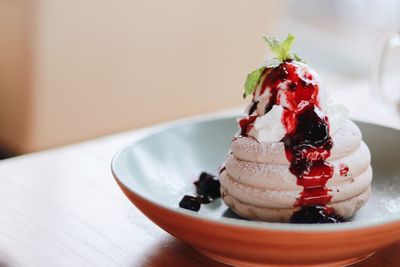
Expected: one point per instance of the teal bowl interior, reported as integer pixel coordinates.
(162, 166)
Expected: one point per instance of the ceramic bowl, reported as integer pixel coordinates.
(157, 170)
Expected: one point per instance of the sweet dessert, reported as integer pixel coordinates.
(297, 157)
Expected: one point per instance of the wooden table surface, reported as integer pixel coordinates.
(62, 207)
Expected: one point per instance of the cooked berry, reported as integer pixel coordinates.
(299, 166)
(190, 203)
(204, 199)
(292, 86)
(208, 186)
(314, 214)
(312, 129)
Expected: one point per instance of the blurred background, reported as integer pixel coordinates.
(76, 70)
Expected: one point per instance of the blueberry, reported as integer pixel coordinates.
(190, 203)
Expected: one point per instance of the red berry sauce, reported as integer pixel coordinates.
(343, 169)
(246, 124)
(307, 141)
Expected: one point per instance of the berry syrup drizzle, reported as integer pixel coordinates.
(307, 141)
(344, 169)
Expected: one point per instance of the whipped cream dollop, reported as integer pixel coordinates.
(269, 126)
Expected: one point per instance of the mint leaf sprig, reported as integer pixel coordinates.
(281, 49)
(282, 54)
(252, 80)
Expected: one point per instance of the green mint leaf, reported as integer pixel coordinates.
(297, 58)
(281, 49)
(252, 80)
(282, 54)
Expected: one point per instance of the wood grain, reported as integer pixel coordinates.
(63, 208)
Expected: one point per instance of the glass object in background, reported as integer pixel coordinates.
(339, 36)
(385, 72)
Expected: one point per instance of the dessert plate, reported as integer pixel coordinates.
(156, 171)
